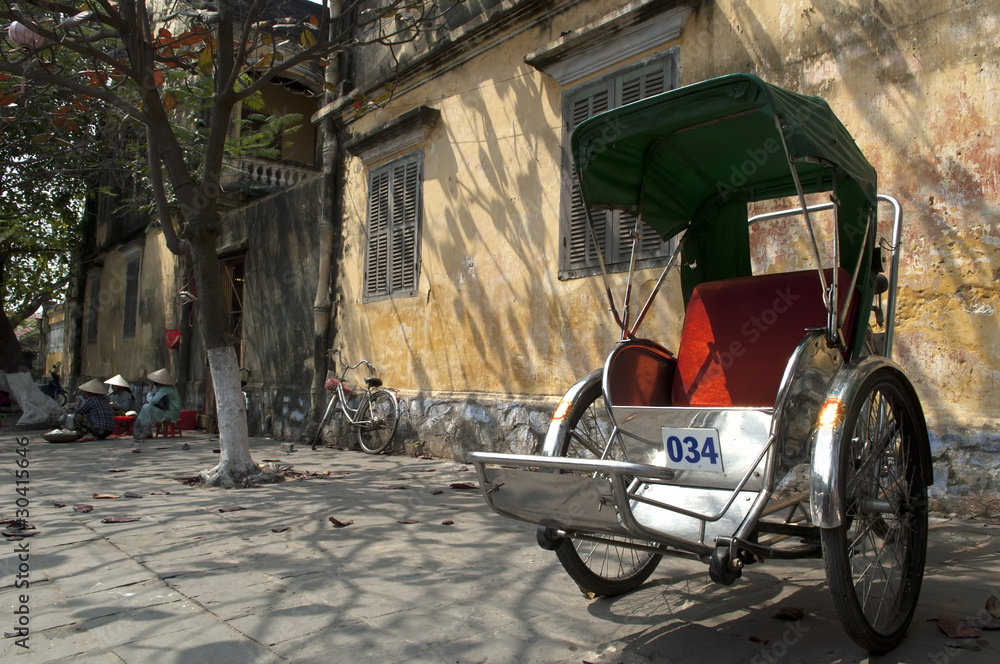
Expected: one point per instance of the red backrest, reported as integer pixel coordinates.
(739, 334)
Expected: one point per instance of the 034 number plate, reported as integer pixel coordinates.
(693, 449)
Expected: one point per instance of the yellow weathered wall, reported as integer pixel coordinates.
(491, 315)
(146, 352)
(915, 83)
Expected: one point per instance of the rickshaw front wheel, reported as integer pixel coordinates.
(875, 558)
(607, 566)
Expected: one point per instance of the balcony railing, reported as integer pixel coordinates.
(257, 176)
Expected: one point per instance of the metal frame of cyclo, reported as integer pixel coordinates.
(835, 318)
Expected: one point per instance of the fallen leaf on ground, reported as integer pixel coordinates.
(270, 460)
(136, 451)
(757, 639)
(232, 508)
(407, 522)
(447, 522)
(337, 523)
(185, 446)
(132, 494)
(18, 534)
(788, 613)
(281, 529)
(425, 470)
(109, 496)
(116, 470)
(58, 504)
(159, 493)
(463, 485)
(83, 508)
(436, 492)
(119, 519)
(463, 468)
(955, 628)
(395, 487)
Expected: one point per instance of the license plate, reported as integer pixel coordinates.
(693, 449)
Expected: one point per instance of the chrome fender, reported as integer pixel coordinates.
(826, 501)
(557, 427)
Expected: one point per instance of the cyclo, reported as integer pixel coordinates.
(780, 427)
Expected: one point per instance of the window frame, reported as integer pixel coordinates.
(94, 306)
(130, 303)
(574, 233)
(397, 270)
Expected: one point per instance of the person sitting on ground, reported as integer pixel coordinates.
(121, 398)
(93, 416)
(163, 404)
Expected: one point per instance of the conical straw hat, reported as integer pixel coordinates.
(94, 386)
(161, 377)
(118, 381)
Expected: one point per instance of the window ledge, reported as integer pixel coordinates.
(402, 134)
(638, 27)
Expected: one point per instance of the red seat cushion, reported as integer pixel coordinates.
(739, 334)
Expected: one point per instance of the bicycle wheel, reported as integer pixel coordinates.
(875, 558)
(610, 566)
(378, 416)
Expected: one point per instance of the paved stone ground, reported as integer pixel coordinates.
(188, 583)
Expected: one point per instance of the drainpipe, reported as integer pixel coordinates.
(322, 305)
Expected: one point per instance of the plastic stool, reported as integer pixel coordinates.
(167, 430)
(123, 425)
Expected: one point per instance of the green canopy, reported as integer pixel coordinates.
(668, 155)
(692, 158)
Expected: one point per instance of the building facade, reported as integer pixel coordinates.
(465, 276)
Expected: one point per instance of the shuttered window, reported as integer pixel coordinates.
(131, 298)
(392, 257)
(578, 255)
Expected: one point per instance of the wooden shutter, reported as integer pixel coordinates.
(377, 255)
(581, 250)
(392, 258)
(131, 298)
(614, 229)
(406, 203)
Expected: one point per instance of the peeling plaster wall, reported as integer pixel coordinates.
(914, 81)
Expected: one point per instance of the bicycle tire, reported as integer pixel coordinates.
(875, 558)
(378, 417)
(605, 567)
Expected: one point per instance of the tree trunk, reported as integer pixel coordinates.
(38, 410)
(235, 463)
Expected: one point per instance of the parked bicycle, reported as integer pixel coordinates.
(375, 416)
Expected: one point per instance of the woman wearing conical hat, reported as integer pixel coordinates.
(93, 416)
(163, 404)
(121, 397)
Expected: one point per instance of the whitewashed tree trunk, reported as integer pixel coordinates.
(39, 410)
(235, 463)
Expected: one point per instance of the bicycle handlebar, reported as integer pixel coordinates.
(350, 367)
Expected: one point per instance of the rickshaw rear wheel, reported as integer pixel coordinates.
(608, 566)
(875, 558)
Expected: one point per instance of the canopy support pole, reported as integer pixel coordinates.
(600, 257)
(659, 283)
(812, 231)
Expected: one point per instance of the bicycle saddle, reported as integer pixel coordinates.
(373, 381)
